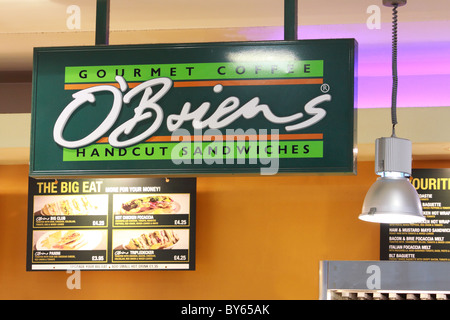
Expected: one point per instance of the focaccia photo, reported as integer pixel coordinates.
(153, 204)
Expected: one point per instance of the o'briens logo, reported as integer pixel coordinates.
(150, 83)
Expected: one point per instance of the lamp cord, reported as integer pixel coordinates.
(394, 69)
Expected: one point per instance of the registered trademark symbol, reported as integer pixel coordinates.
(325, 87)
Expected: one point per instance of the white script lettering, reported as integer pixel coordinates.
(228, 111)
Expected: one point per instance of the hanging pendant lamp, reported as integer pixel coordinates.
(392, 198)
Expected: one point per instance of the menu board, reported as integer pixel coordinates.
(111, 224)
(427, 241)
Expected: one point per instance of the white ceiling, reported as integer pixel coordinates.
(424, 40)
(25, 24)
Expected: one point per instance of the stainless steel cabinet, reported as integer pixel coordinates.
(395, 280)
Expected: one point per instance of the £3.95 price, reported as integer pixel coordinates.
(98, 258)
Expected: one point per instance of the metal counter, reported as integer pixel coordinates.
(393, 280)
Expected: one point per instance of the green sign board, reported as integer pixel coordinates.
(177, 109)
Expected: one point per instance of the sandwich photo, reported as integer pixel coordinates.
(69, 206)
(158, 239)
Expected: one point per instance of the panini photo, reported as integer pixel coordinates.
(60, 240)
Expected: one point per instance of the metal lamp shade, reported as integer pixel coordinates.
(392, 200)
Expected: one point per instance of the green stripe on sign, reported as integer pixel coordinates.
(198, 150)
(197, 71)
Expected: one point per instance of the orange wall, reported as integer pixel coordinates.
(257, 238)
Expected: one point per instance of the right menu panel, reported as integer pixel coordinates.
(428, 241)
